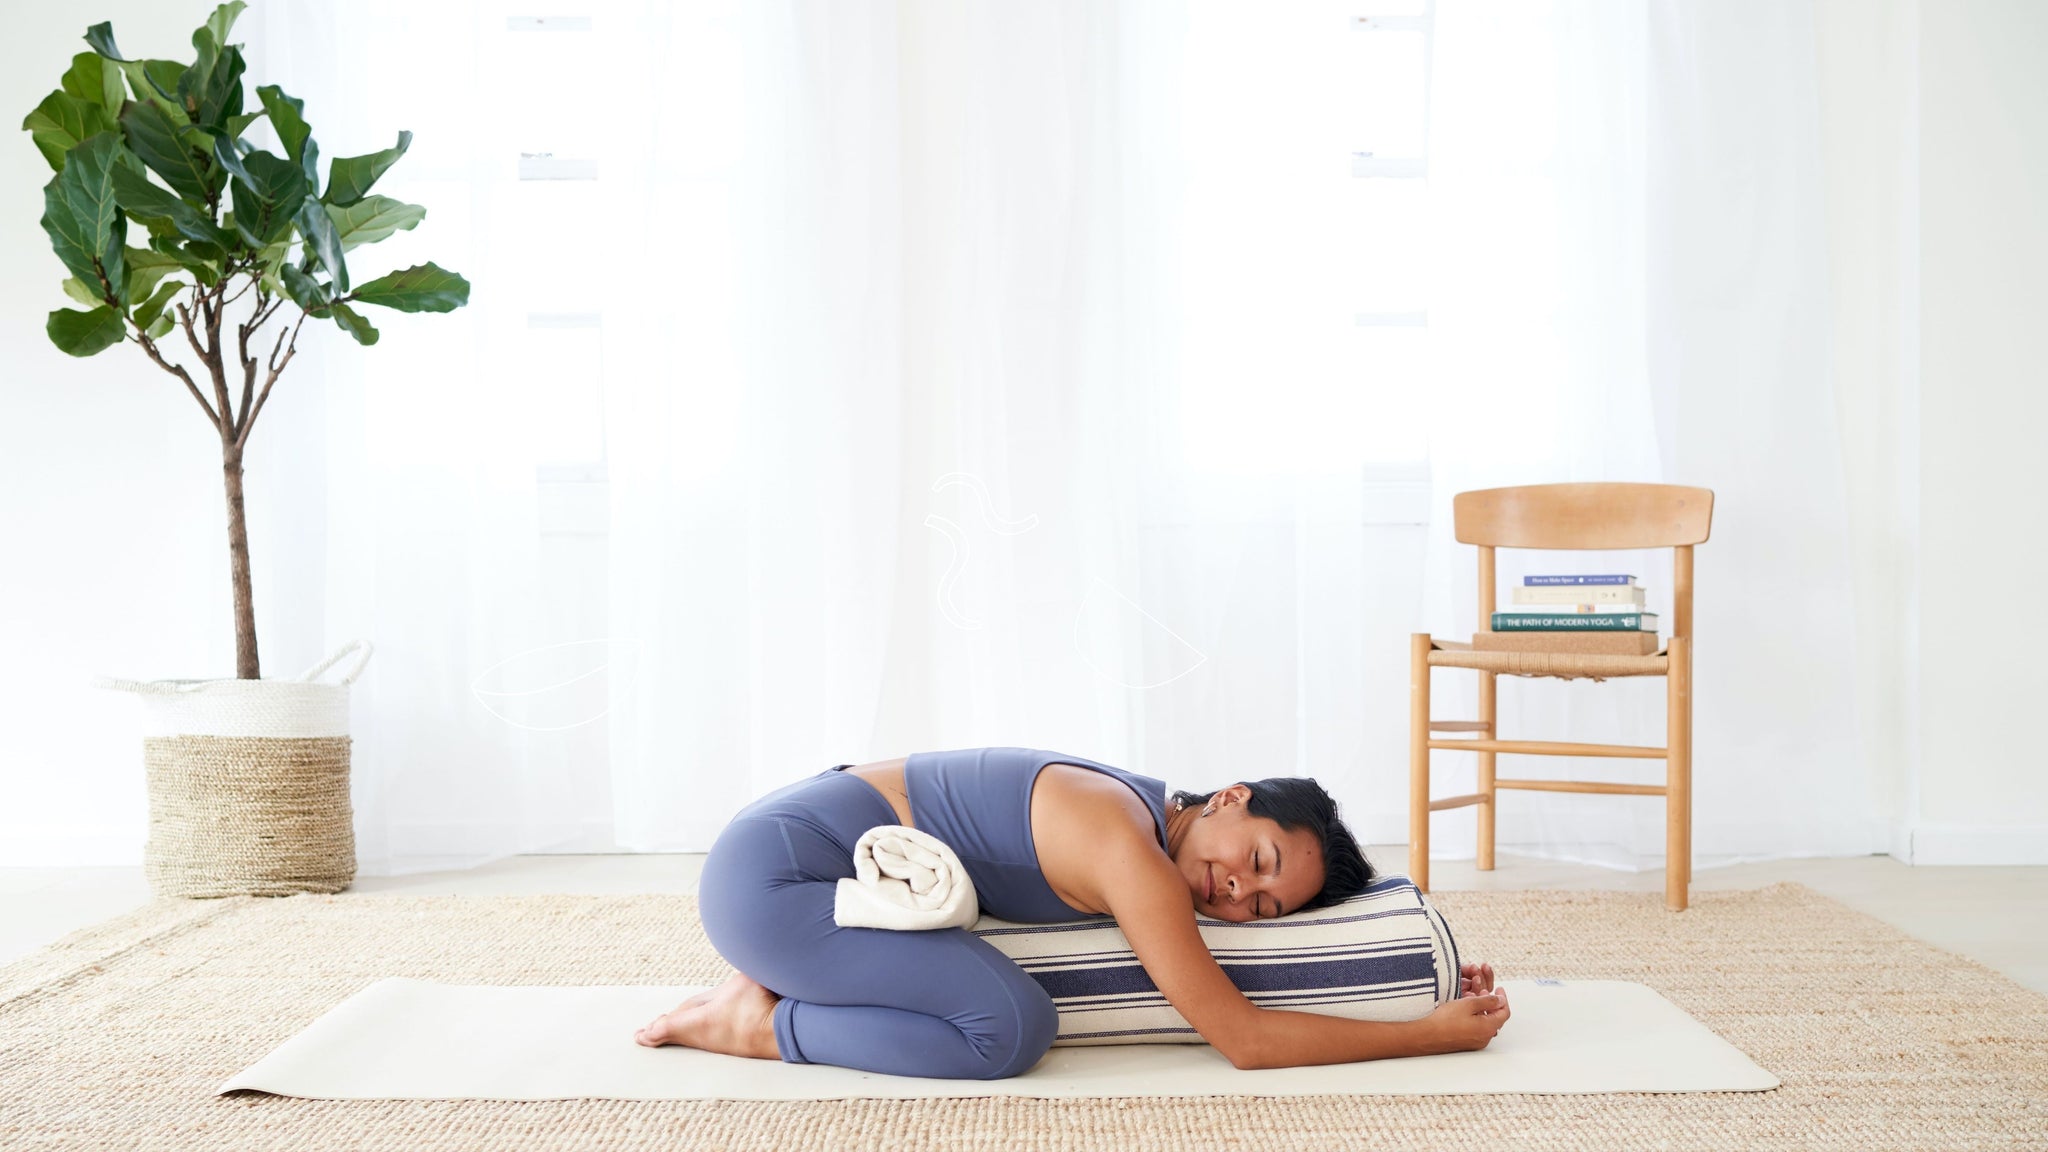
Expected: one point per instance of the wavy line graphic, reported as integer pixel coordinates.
(954, 567)
(961, 552)
(477, 690)
(988, 511)
(1201, 657)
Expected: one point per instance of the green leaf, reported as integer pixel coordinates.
(223, 19)
(349, 179)
(161, 327)
(240, 124)
(146, 266)
(228, 154)
(268, 191)
(207, 273)
(61, 121)
(76, 289)
(211, 89)
(323, 240)
(288, 116)
(373, 218)
(101, 37)
(93, 82)
(146, 313)
(155, 139)
(273, 256)
(420, 288)
(156, 82)
(85, 333)
(143, 200)
(353, 323)
(86, 228)
(304, 291)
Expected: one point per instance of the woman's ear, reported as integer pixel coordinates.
(1235, 794)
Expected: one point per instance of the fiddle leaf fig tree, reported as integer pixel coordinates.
(226, 237)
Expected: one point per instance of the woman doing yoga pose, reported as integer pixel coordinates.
(1045, 838)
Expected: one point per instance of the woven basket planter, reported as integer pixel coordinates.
(249, 783)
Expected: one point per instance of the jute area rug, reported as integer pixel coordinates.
(117, 1036)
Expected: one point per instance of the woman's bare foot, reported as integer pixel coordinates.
(736, 1018)
(1475, 980)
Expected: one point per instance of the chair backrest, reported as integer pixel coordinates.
(1588, 517)
(1583, 516)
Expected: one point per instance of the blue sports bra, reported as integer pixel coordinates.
(978, 800)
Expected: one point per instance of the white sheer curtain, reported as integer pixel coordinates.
(899, 448)
(1630, 284)
(983, 373)
(953, 490)
(432, 531)
(757, 459)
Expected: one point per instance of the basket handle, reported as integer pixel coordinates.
(171, 687)
(361, 646)
(147, 687)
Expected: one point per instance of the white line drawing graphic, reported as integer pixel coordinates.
(988, 511)
(958, 539)
(1201, 657)
(954, 567)
(477, 690)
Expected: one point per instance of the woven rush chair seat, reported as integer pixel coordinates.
(1562, 665)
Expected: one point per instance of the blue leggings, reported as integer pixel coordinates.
(937, 1003)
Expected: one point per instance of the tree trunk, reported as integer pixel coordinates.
(246, 667)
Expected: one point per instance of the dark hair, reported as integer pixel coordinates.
(1299, 802)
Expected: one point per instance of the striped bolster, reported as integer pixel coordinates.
(1384, 954)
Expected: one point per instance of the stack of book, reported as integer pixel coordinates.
(1591, 615)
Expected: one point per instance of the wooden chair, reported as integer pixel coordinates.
(1564, 516)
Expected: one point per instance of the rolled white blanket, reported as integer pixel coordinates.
(905, 880)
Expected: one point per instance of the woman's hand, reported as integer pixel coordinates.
(1466, 1024)
(1474, 979)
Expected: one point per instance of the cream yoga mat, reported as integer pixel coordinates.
(417, 1039)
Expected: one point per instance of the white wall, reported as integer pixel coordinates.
(1869, 157)
(113, 529)
(1983, 410)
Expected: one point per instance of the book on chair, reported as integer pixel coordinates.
(1577, 579)
(1583, 615)
(1584, 597)
(1574, 621)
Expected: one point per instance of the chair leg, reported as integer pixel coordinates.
(1678, 777)
(1486, 806)
(1418, 760)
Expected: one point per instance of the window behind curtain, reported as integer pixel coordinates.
(1306, 133)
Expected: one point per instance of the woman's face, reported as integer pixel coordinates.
(1245, 867)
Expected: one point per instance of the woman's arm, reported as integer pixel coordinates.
(1153, 907)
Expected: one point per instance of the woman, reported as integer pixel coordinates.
(1045, 838)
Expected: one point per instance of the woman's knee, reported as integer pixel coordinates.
(748, 856)
(1038, 1022)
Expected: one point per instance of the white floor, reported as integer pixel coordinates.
(1996, 916)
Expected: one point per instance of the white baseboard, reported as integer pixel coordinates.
(55, 846)
(2010, 846)
(48, 846)
(488, 838)
(1595, 839)
(1901, 843)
